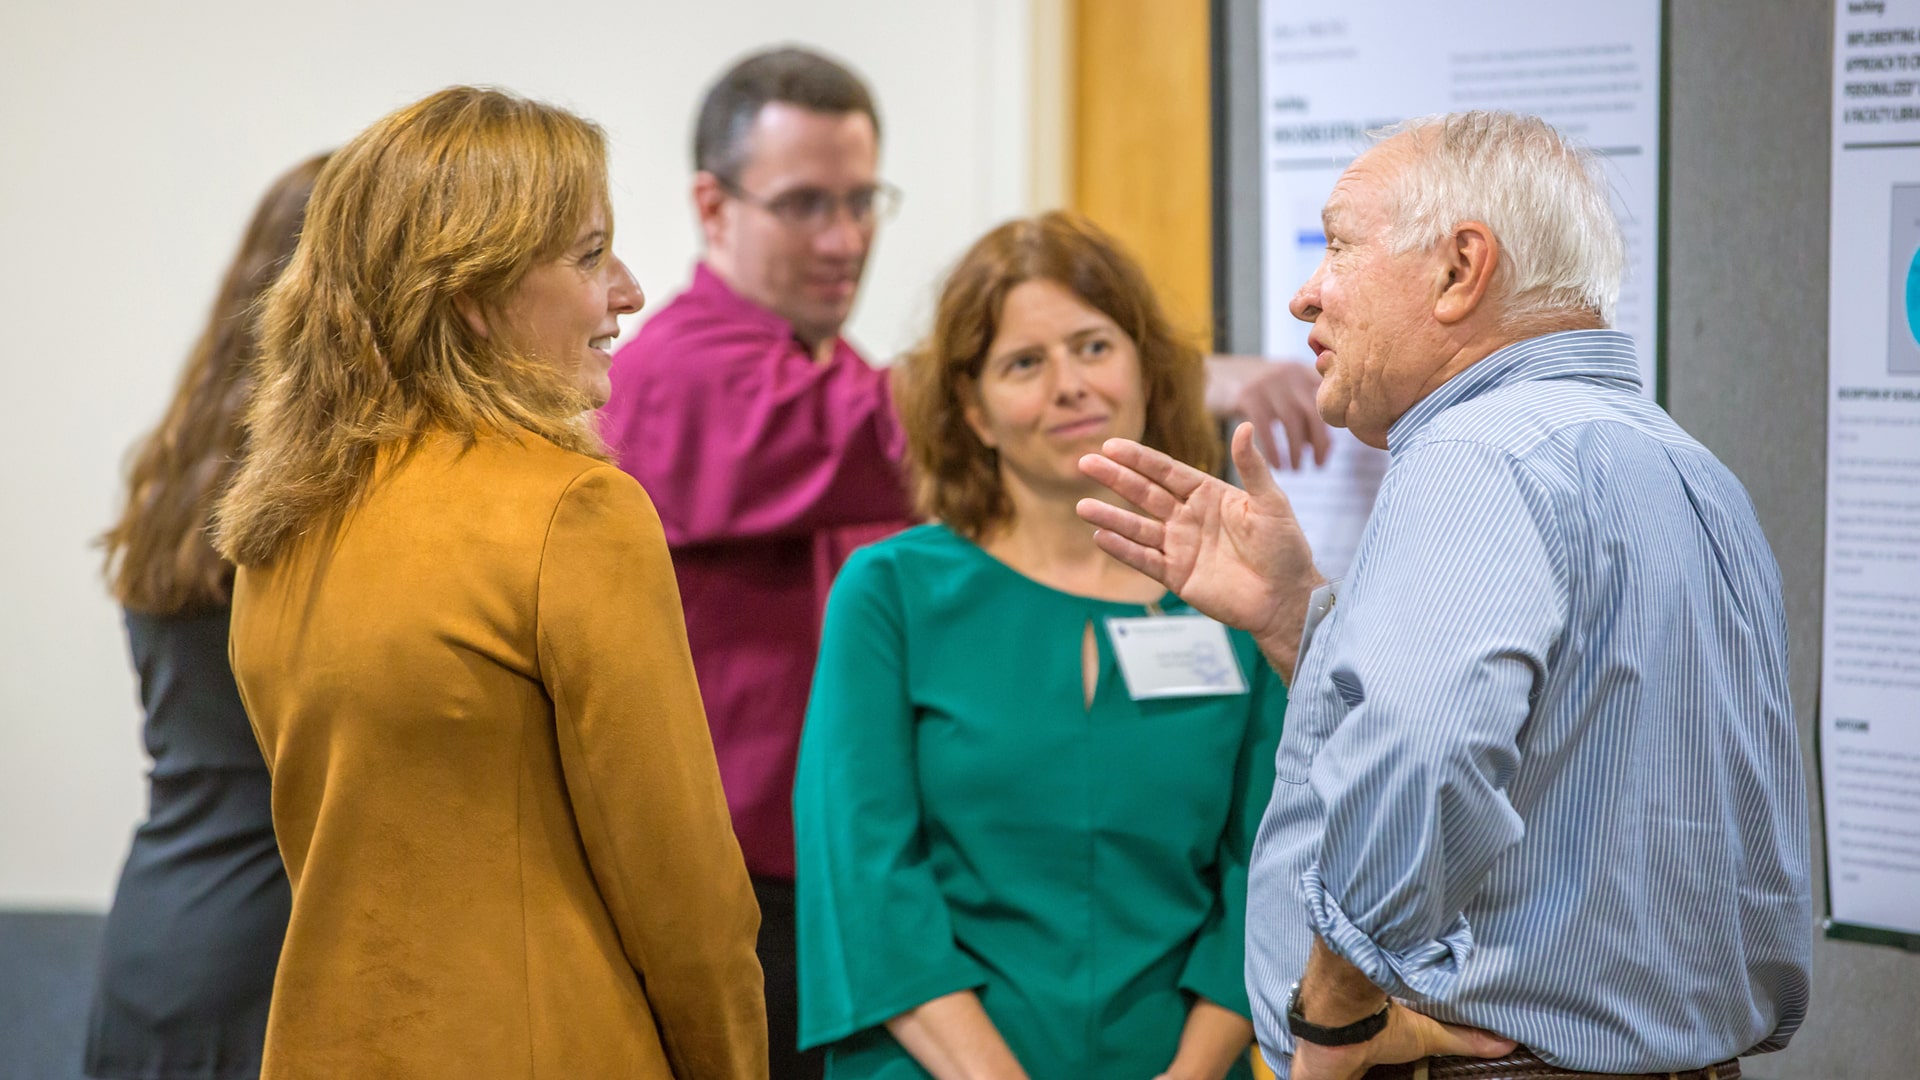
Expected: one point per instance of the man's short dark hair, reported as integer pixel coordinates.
(795, 76)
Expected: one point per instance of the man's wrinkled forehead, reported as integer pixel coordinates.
(1342, 203)
(1336, 211)
(1363, 187)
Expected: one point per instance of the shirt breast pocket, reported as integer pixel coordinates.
(1314, 705)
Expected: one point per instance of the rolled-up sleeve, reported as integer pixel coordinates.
(875, 934)
(1437, 664)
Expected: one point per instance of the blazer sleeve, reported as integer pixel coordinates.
(875, 934)
(642, 779)
(1216, 968)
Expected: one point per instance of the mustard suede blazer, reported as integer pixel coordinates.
(494, 787)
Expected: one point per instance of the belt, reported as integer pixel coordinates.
(1524, 1065)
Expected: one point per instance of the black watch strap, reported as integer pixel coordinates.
(1346, 1035)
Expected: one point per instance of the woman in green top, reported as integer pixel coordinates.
(1012, 862)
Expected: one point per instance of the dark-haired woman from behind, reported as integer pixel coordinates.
(188, 959)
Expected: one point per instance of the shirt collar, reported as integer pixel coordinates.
(1601, 356)
(711, 288)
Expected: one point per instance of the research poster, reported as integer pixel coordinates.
(1331, 71)
(1870, 639)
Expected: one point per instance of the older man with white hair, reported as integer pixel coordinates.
(1540, 796)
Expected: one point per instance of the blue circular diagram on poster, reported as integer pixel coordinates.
(1913, 297)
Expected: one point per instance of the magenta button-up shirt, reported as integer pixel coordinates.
(767, 470)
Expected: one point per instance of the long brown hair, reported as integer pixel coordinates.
(159, 557)
(362, 346)
(956, 477)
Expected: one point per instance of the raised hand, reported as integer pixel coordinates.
(1236, 556)
(1270, 392)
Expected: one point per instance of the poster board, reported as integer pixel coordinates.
(1869, 723)
(1328, 72)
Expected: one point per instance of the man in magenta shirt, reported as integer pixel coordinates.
(768, 445)
(770, 448)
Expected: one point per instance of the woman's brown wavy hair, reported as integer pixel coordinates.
(362, 348)
(159, 558)
(956, 477)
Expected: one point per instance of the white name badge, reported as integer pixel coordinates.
(1168, 656)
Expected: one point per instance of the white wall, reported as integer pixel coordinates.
(134, 138)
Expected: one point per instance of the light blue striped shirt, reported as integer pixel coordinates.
(1539, 772)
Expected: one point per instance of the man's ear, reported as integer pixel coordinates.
(1468, 260)
(709, 204)
(473, 316)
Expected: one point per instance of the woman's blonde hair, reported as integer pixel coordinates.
(456, 196)
(955, 476)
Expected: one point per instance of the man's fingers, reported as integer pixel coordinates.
(1130, 485)
(1263, 437)
(1320, 435)
(1438, 1038)
(1258, 409)
(1265, 496)
(1313, 430)
(1251, 464)
(1296, 426)
(1141, 530)
(1181, 480)
(1144, 559)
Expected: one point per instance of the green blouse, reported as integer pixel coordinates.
(965, 821)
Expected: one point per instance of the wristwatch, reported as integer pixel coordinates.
(1346, 1035)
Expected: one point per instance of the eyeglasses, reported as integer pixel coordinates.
(813, 209)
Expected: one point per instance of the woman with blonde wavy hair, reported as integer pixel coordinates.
(458, 637)
(1022, 841)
